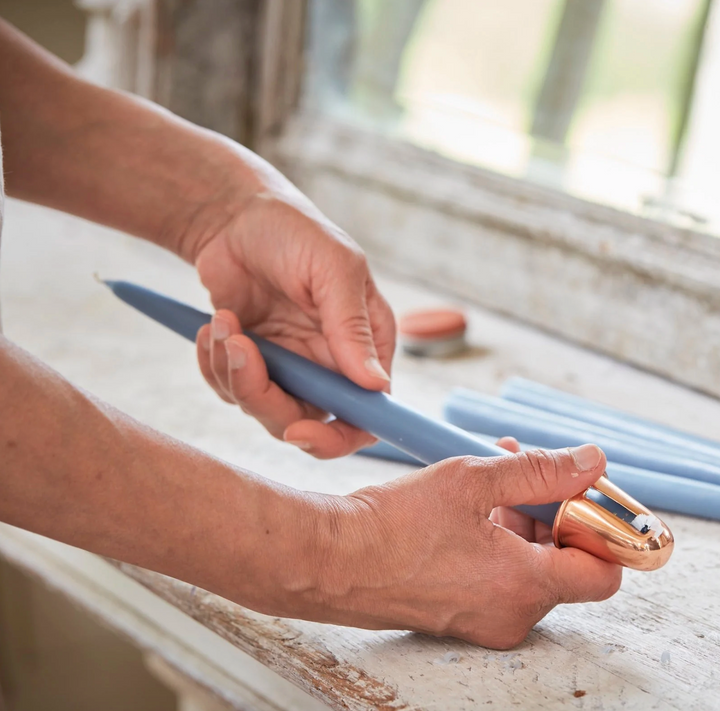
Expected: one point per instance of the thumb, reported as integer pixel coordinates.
(347, 327)
(543, 476)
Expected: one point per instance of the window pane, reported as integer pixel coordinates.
(589, 97)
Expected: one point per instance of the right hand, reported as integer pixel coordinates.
(421, 552)
(278, 266)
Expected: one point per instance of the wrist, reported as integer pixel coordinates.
(221, 185)
(334, 564)
(278, 542)
(231, 179)
(304, 560)
(226, 181)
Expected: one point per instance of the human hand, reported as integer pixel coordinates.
(282, 269)
(421, 552)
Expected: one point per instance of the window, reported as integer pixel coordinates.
(609, 100)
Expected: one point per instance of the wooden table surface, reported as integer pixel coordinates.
(654, 645)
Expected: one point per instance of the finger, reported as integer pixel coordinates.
(282, 415)
(203, 346)
(519, 523)
(515, 521)
(382, 322)
(252, 389)
(509, 443)
(342, 304)
(328, 440)
(543, 534)
(224, 324)
(522, 525)
(571, 575)
(538, 476)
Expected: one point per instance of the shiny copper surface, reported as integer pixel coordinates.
(583, 523)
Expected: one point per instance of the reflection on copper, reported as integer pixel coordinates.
(585, 524)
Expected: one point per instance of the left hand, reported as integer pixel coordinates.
(420, 552)
(282, 269)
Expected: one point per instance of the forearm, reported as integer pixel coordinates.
(114, 158)
(416, 553)
(79, 471)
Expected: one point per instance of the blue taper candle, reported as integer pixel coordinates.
(544, 397)
(477, 412)
(616, 436)
(378, 413)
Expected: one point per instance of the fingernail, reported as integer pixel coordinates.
(305, 446)
(372, 365)
(236, 355)
(586, 456)
(220, 328)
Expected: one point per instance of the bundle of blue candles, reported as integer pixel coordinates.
(663, 467)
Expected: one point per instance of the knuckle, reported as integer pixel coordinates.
(357, 325)
(540, 470)
(536, 605)
(446, 470)
(528, 601)
(507, 636)
(350, 249)
(470, 630)
(465, 468)
(514, 637)
(465, 462)
(357, 259)
(348, 254)
(462, 476)
(530, 597)
(501, 639)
